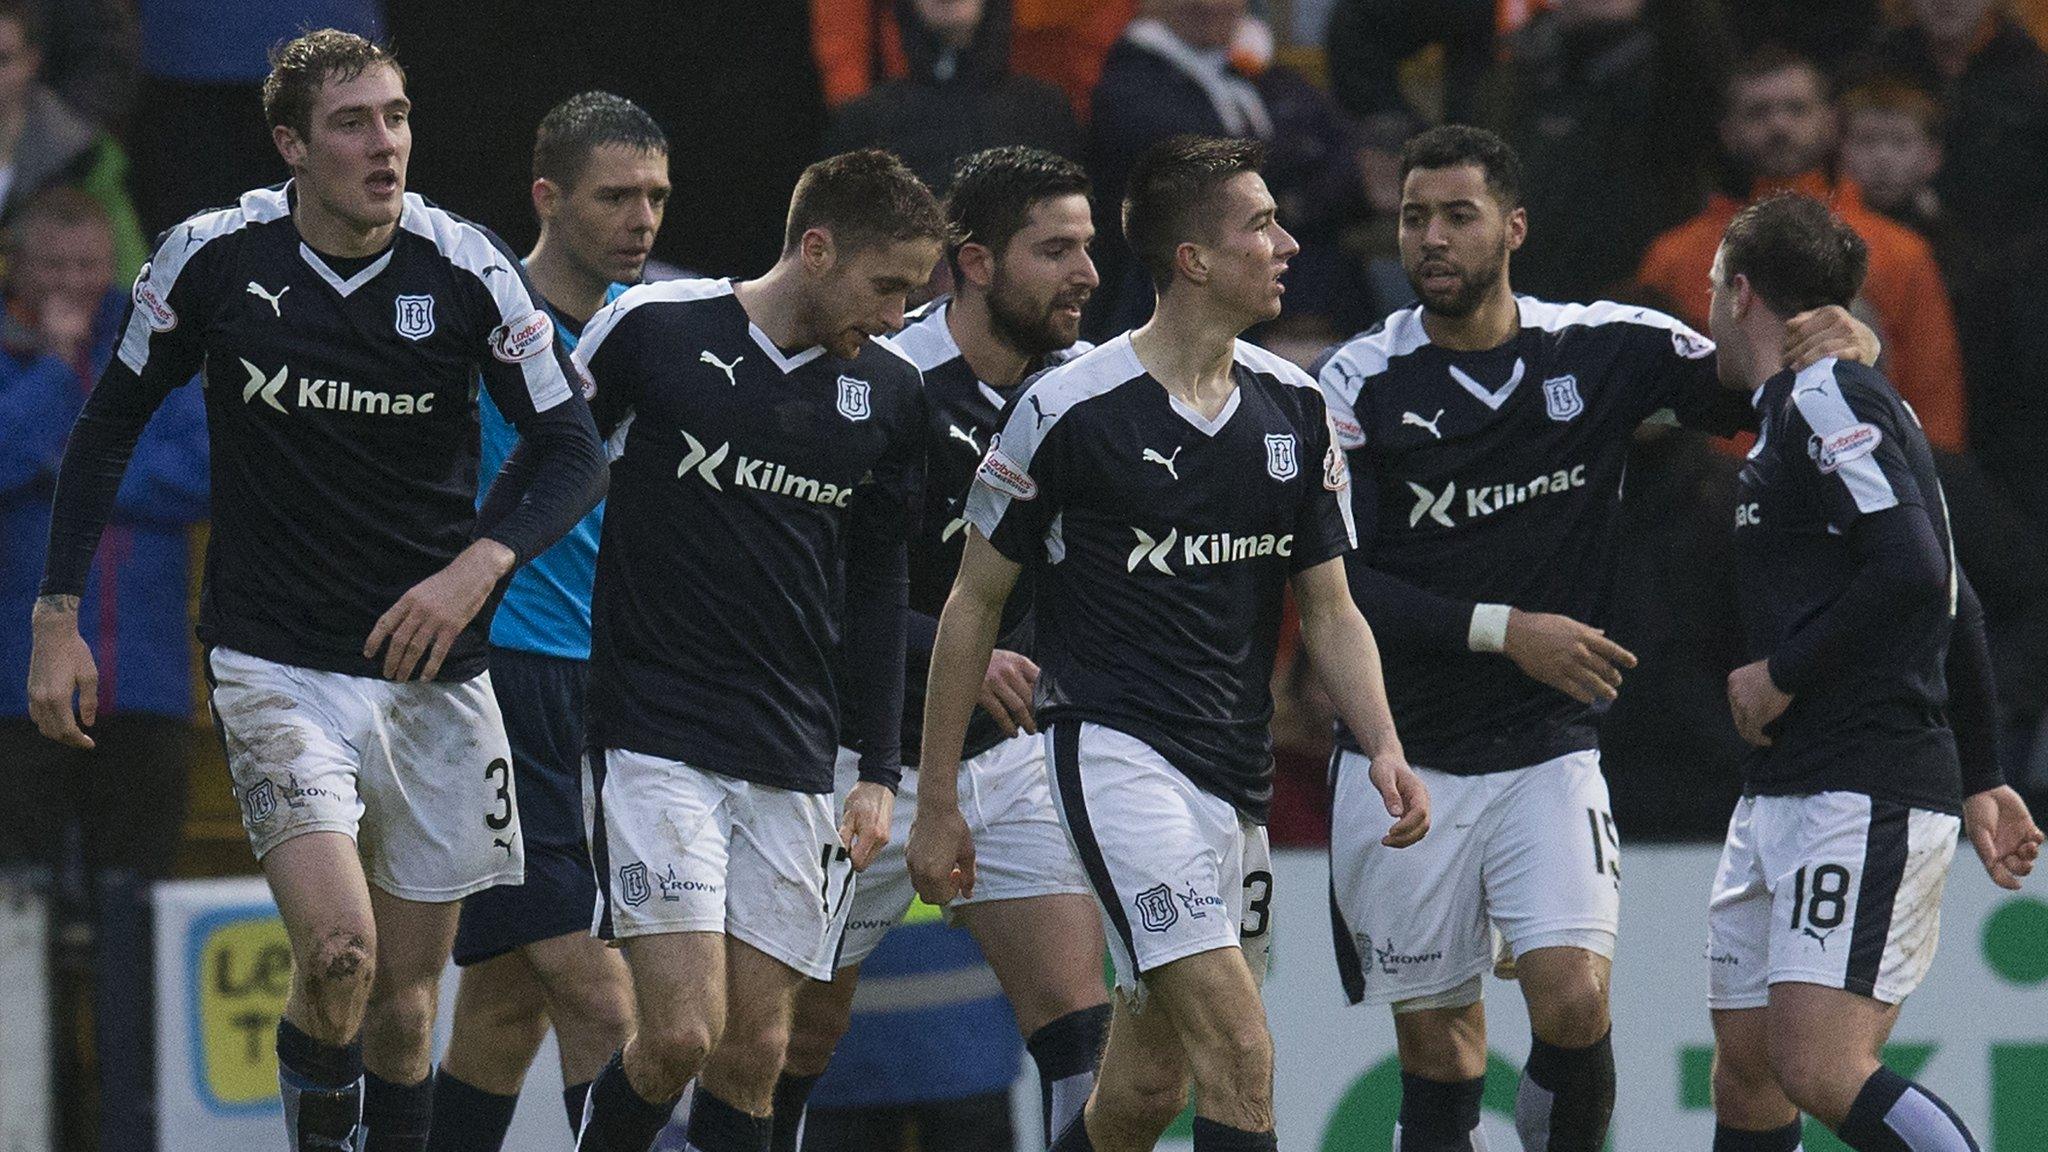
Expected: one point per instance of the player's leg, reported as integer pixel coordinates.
(733, 1108)
(1047, 954)
(1553, 885)
(500, 1020)
(1036, 920)
(440, 823)
(1140, 1086)
(1852, 934)
(1751, 1113)
(1411, 932)
(789, 892)
(679, 994)
(589, 998)
(660, 843)
(824, 1010)
(288, 737)
(318, 884)
(413, 939)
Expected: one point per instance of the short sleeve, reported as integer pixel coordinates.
(1852, 444)
(163, 335)
(606, 361)
(523, 365)
(1016, 492)
(1342, 385)
(1323, 526)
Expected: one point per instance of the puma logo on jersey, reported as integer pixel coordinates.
(706, 357)
(1043, 415)
(1821, 937)
(1408, 418)
(954, 431)
(1166, 462)
(274, 299)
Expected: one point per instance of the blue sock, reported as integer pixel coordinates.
(467, 1118)
(1213, 1137)
(621, 1120)
(1566, 1097)
(1066, 1052)
(792, 1097)
(716, 1126)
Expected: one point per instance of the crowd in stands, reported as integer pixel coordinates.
(1645, 125)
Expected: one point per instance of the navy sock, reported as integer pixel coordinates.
(1074, 1138)
(1784, 1139)
(1213, 1137)
(1567, 1096)
(397, 1115)
(322, 1086)
(1438, 1116)
(1893, 1114)
(573, 1098)
(1066, 1052)
(716, 1126)
(467, 1118)
(621, 1120)
(792, 1096)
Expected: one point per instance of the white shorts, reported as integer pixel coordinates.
(1531, 852)
(680, 849)
(417, 772)
(1834, 889)
(1020, 850)
(1176, 869)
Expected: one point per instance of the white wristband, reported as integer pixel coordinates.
(1489, 630)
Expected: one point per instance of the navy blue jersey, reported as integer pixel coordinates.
(343, 417)
(961, 411)
(1838, 445)
(747, 485)
(1494, 477)
(1161, 542)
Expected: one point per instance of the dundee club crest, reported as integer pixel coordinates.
(1281, 463)
(415, 317)
(853, 399)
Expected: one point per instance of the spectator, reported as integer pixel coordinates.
(1992, 78)
(203, 64)
(1368, 40)
(1778, 130)
(1204, 67)
(959, 96)
(44, 143)
(91, 56)
(1832, 32)
(1606, 101)
(118, 808)
(857, 44)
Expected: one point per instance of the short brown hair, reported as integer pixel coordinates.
(1797, 254)
(1769, 60)
(299, 67)
(864, 198)
(1890, 94)
(65, 205)
(1170, 185)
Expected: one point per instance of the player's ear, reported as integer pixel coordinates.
(547, 198)
(289, 145)
(977, 265)
(1190, 261)
(815, 248)
(1517, 227)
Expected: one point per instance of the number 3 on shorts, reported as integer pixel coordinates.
(501, 819)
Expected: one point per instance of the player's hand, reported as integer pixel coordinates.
(425, 622)
(1755, 700)
(1406, 798)
(2007, 839)
(1829, 331)
(941, 854)
(864, 826)
(61, 669)
(1577, 660)
(1006, 691)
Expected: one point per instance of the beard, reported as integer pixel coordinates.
(1027, 327)
(1474, 287)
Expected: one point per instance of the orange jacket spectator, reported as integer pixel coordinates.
(1063, 42)
(1904, 288)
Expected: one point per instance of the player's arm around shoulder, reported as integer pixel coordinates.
(1341, 647)
(941, 849)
